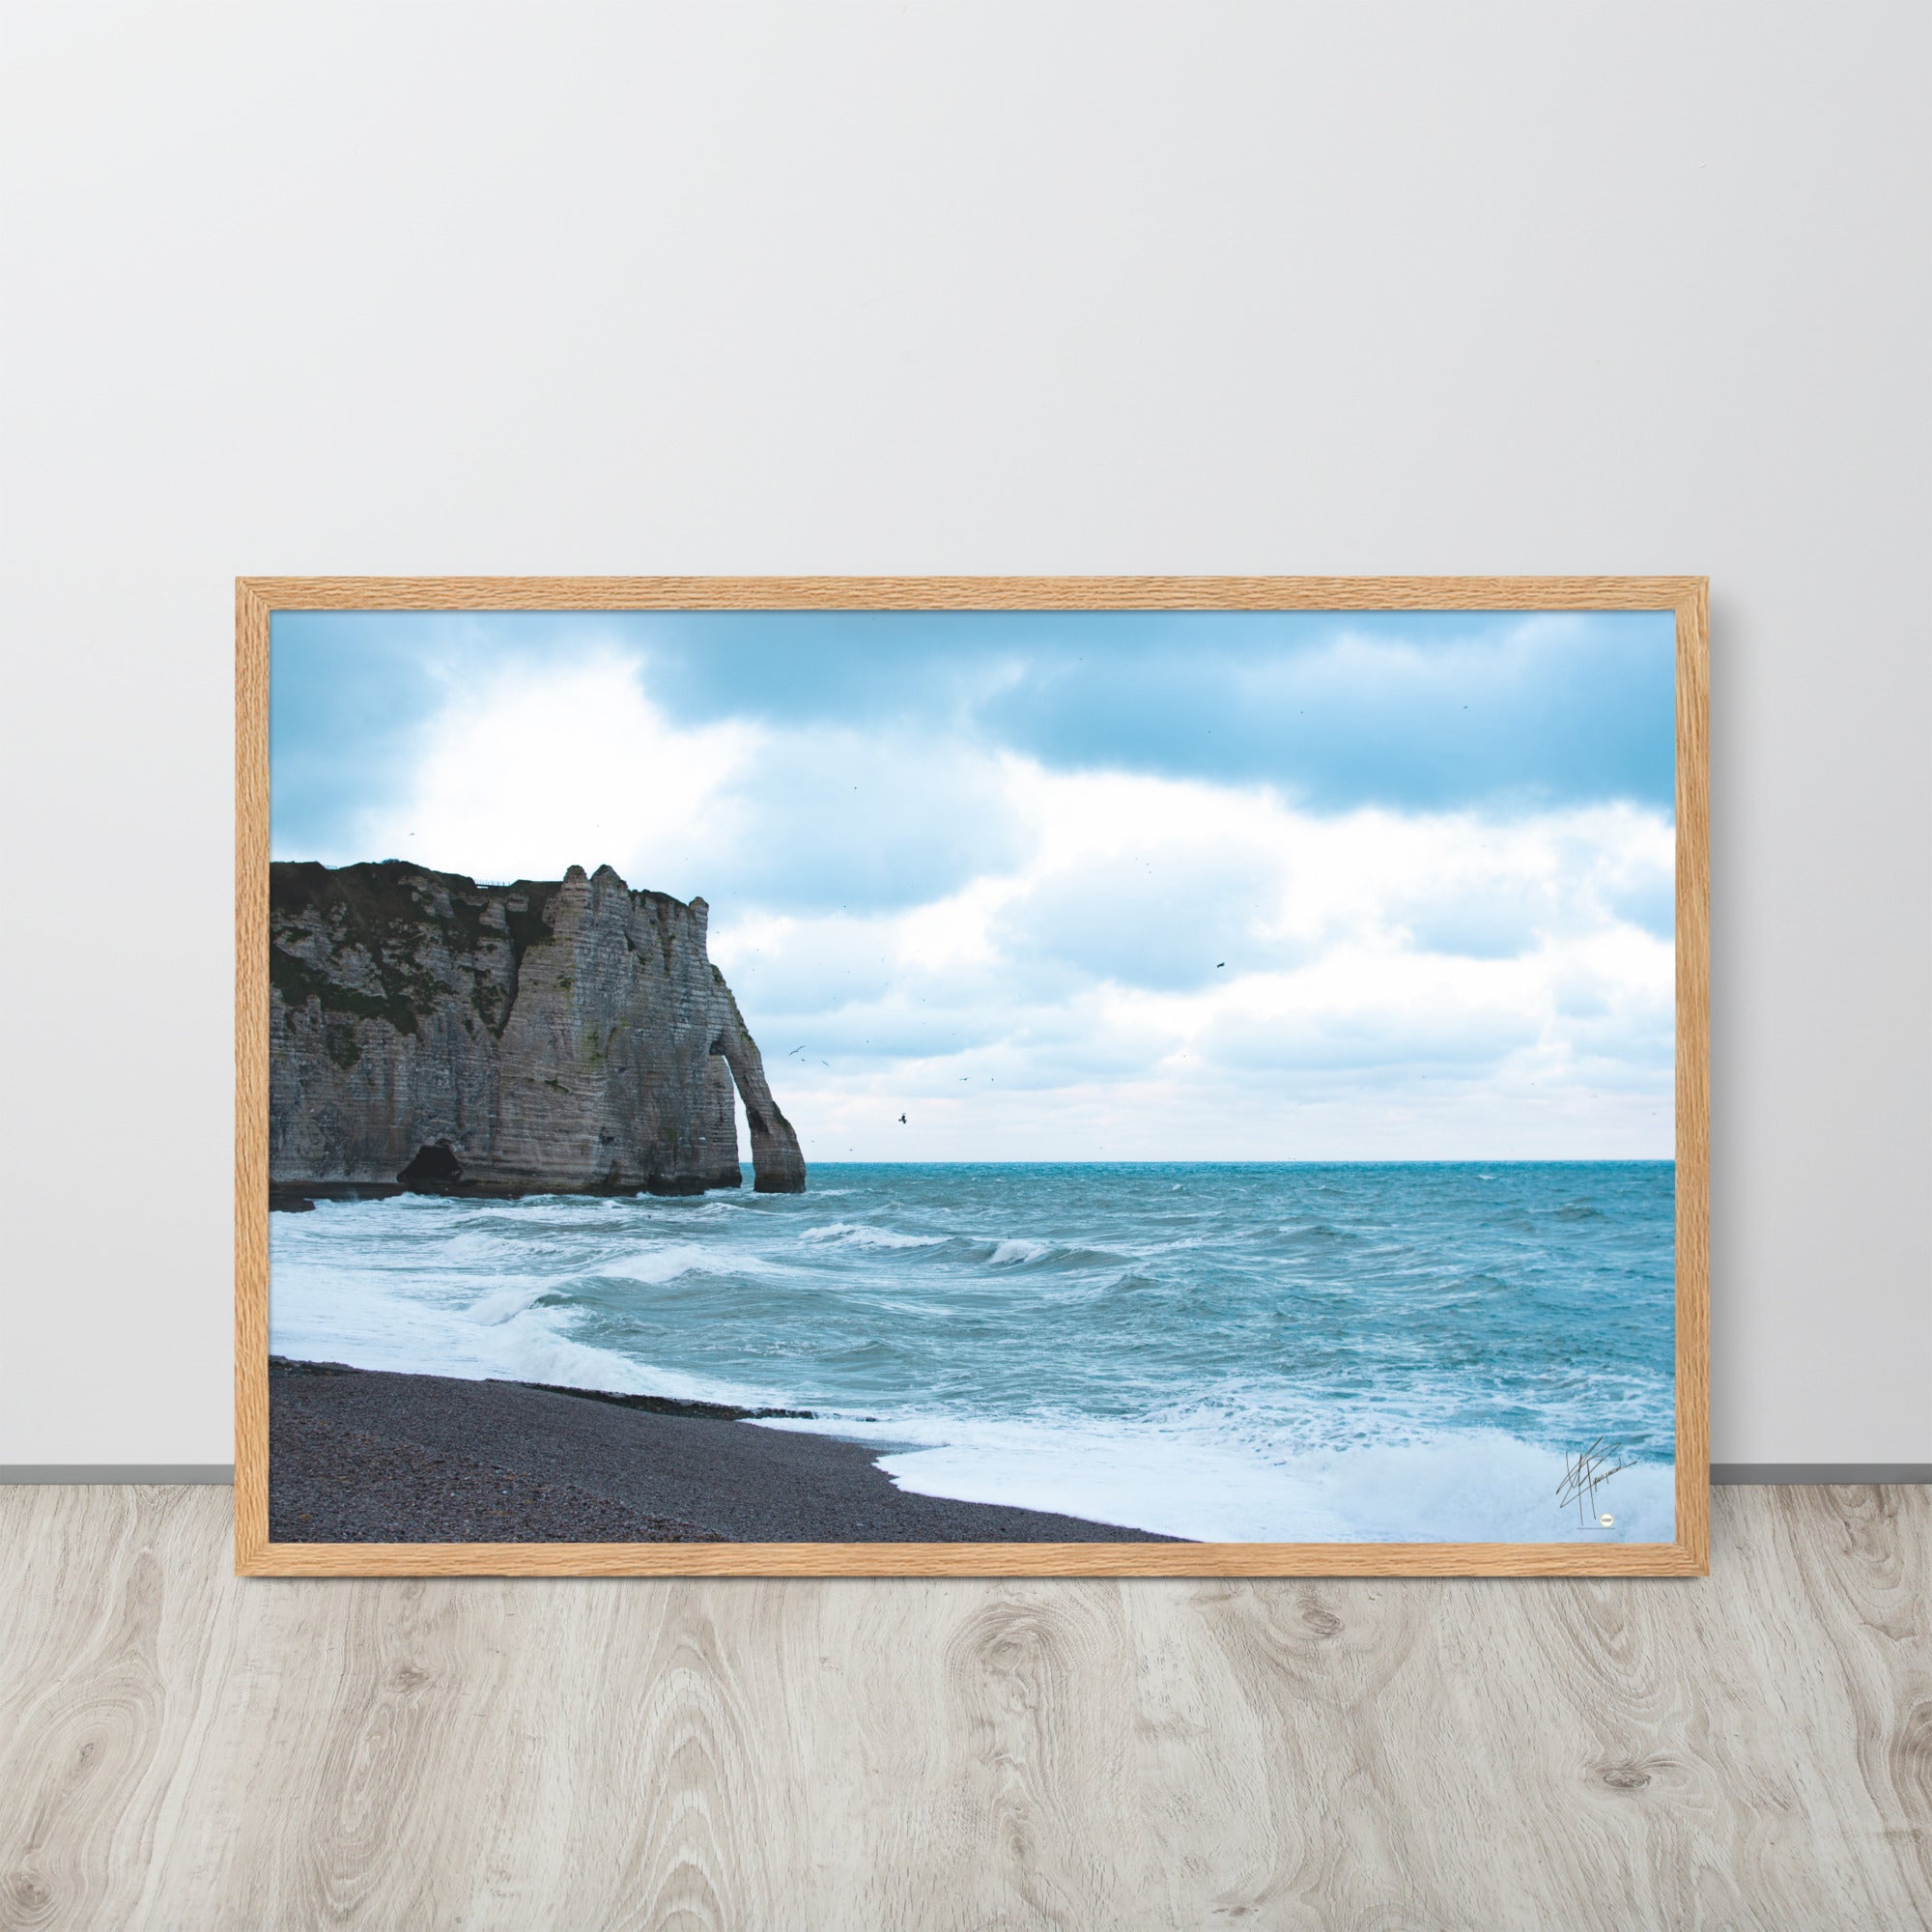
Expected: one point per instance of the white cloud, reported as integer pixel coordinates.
(1043, 964)
(539, 768)
(1078, 1006)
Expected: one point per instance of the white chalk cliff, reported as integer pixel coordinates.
(429, 1033)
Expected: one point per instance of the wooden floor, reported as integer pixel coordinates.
(179, 1749)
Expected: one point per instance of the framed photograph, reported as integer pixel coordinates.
(1030, 1076)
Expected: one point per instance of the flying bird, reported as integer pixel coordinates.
(902, 1120)
(1218, 964)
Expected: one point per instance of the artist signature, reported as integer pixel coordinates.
(1584, 1474)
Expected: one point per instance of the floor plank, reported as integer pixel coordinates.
(179, 1749)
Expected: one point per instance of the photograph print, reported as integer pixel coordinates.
(1023, 1087)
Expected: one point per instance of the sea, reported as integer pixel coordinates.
(1251, 1352)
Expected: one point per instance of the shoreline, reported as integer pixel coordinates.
(375, 1456)
(293, 1197)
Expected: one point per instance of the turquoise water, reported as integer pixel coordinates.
(1400, 1352)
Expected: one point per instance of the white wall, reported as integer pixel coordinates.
(1040, 287)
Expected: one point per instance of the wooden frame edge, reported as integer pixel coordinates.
(253, 613)
(972, 593)
(973, 1559)
(1693, 1073)
(256, 598)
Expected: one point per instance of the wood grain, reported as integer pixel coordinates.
(251, 1075)
(974, 1559)
(178, 1747)
(974, 594)
(258, 598)
(1694, 1074)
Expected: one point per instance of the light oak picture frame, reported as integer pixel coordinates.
(258, 598)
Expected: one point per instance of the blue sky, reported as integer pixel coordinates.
(1098, 886)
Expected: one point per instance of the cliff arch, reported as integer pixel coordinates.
(777, 1166)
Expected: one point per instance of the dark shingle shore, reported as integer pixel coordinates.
(363, 1455)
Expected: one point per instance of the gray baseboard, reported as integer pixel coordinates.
(1747, 1473)
(1821, 1472)
(117, 1472)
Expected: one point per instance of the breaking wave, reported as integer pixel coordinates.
(854, 1235)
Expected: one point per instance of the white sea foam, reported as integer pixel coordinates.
(1209, 1484)
(1013, 1253)
(506, 1304)
(668, 1260)
(332, 1300)
(852, 1235)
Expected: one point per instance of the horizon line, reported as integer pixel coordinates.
(1289, 1160)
